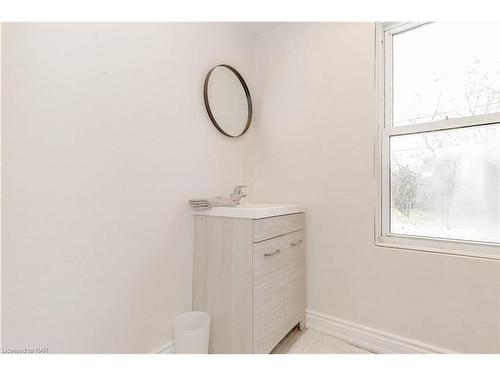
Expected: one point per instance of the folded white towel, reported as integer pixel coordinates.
(211, 202)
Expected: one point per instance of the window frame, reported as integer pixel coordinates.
(383, 85)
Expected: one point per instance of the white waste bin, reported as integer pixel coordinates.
(192, 330)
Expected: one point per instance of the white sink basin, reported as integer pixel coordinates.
(253, 210)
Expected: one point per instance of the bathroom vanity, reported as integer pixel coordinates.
(249, 274)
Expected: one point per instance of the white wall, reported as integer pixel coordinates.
(105, 138)
(314, 143)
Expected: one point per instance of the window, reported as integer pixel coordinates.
(439, 140)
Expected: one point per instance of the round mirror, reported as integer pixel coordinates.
(227, 100)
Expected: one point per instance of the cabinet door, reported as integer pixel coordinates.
(268, 294)
(295, 278)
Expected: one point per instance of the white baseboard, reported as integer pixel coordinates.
(168, 348)
(367, 338)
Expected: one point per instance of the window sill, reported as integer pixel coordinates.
(440, 246)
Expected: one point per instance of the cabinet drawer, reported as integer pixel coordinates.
(268, 257)
(277, 226)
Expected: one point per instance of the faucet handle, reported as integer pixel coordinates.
(238, 193)
(237, 189)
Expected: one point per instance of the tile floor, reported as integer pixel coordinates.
(314, 342)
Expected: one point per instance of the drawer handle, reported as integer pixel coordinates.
(296, 243)
(277, 251)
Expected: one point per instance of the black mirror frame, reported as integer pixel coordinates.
(247, 93)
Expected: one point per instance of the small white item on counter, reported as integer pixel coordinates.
(211, 202)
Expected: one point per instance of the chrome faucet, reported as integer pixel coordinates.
(238, 193)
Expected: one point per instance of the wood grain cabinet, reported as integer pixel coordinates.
(249, 275)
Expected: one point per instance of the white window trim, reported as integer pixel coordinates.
(383, 79)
